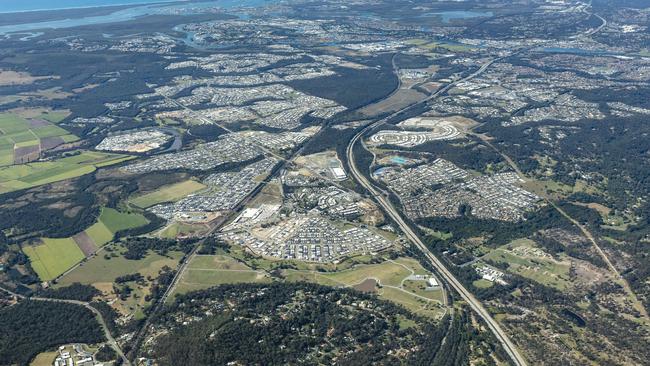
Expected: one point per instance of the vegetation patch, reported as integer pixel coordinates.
(170, 193)
(53, 257)
(524, 258)
(29, 175)
(32, 327)
(116, 221)
(330, 326)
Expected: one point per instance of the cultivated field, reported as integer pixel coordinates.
(170, 193)
(55, 256)
(23, 139)
(29, 175)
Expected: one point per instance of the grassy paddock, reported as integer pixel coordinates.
(53, 257)
(35, 174)
(56, 256)
(170, 193)
(101, 270)
(117, 221)
(527, 260)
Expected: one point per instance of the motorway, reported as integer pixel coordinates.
(388, 207)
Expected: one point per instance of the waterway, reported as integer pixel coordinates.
(448, 16)
(14, 6)
(130, 14)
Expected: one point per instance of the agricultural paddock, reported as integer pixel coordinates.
(53, 257)
(59, 255)
(98, 270)
(23, 139)
(101, 273)
(170, 193)
(30, 175)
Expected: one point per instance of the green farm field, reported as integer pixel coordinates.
(116, 221)
(59, 255)
(110, 222)
(168, 193)
(53, 257)
(30, 175)
(17, 132)
(99, 233)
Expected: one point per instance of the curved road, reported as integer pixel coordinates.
(107, 333)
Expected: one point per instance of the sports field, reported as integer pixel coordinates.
(53, 257)
(29, 175)
(170, 193)
(56, 256)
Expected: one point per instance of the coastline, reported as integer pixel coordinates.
(141, 2)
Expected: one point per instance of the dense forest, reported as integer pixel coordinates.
(354, 88)
(76, 291)
(281, 324)
(32, 327)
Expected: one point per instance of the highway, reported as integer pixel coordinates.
(388, 207)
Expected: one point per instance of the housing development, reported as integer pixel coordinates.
(324, 182)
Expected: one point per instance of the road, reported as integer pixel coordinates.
(107, 333)
(388, 207)
(603, 22)
(446, 274)
(585, 231)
